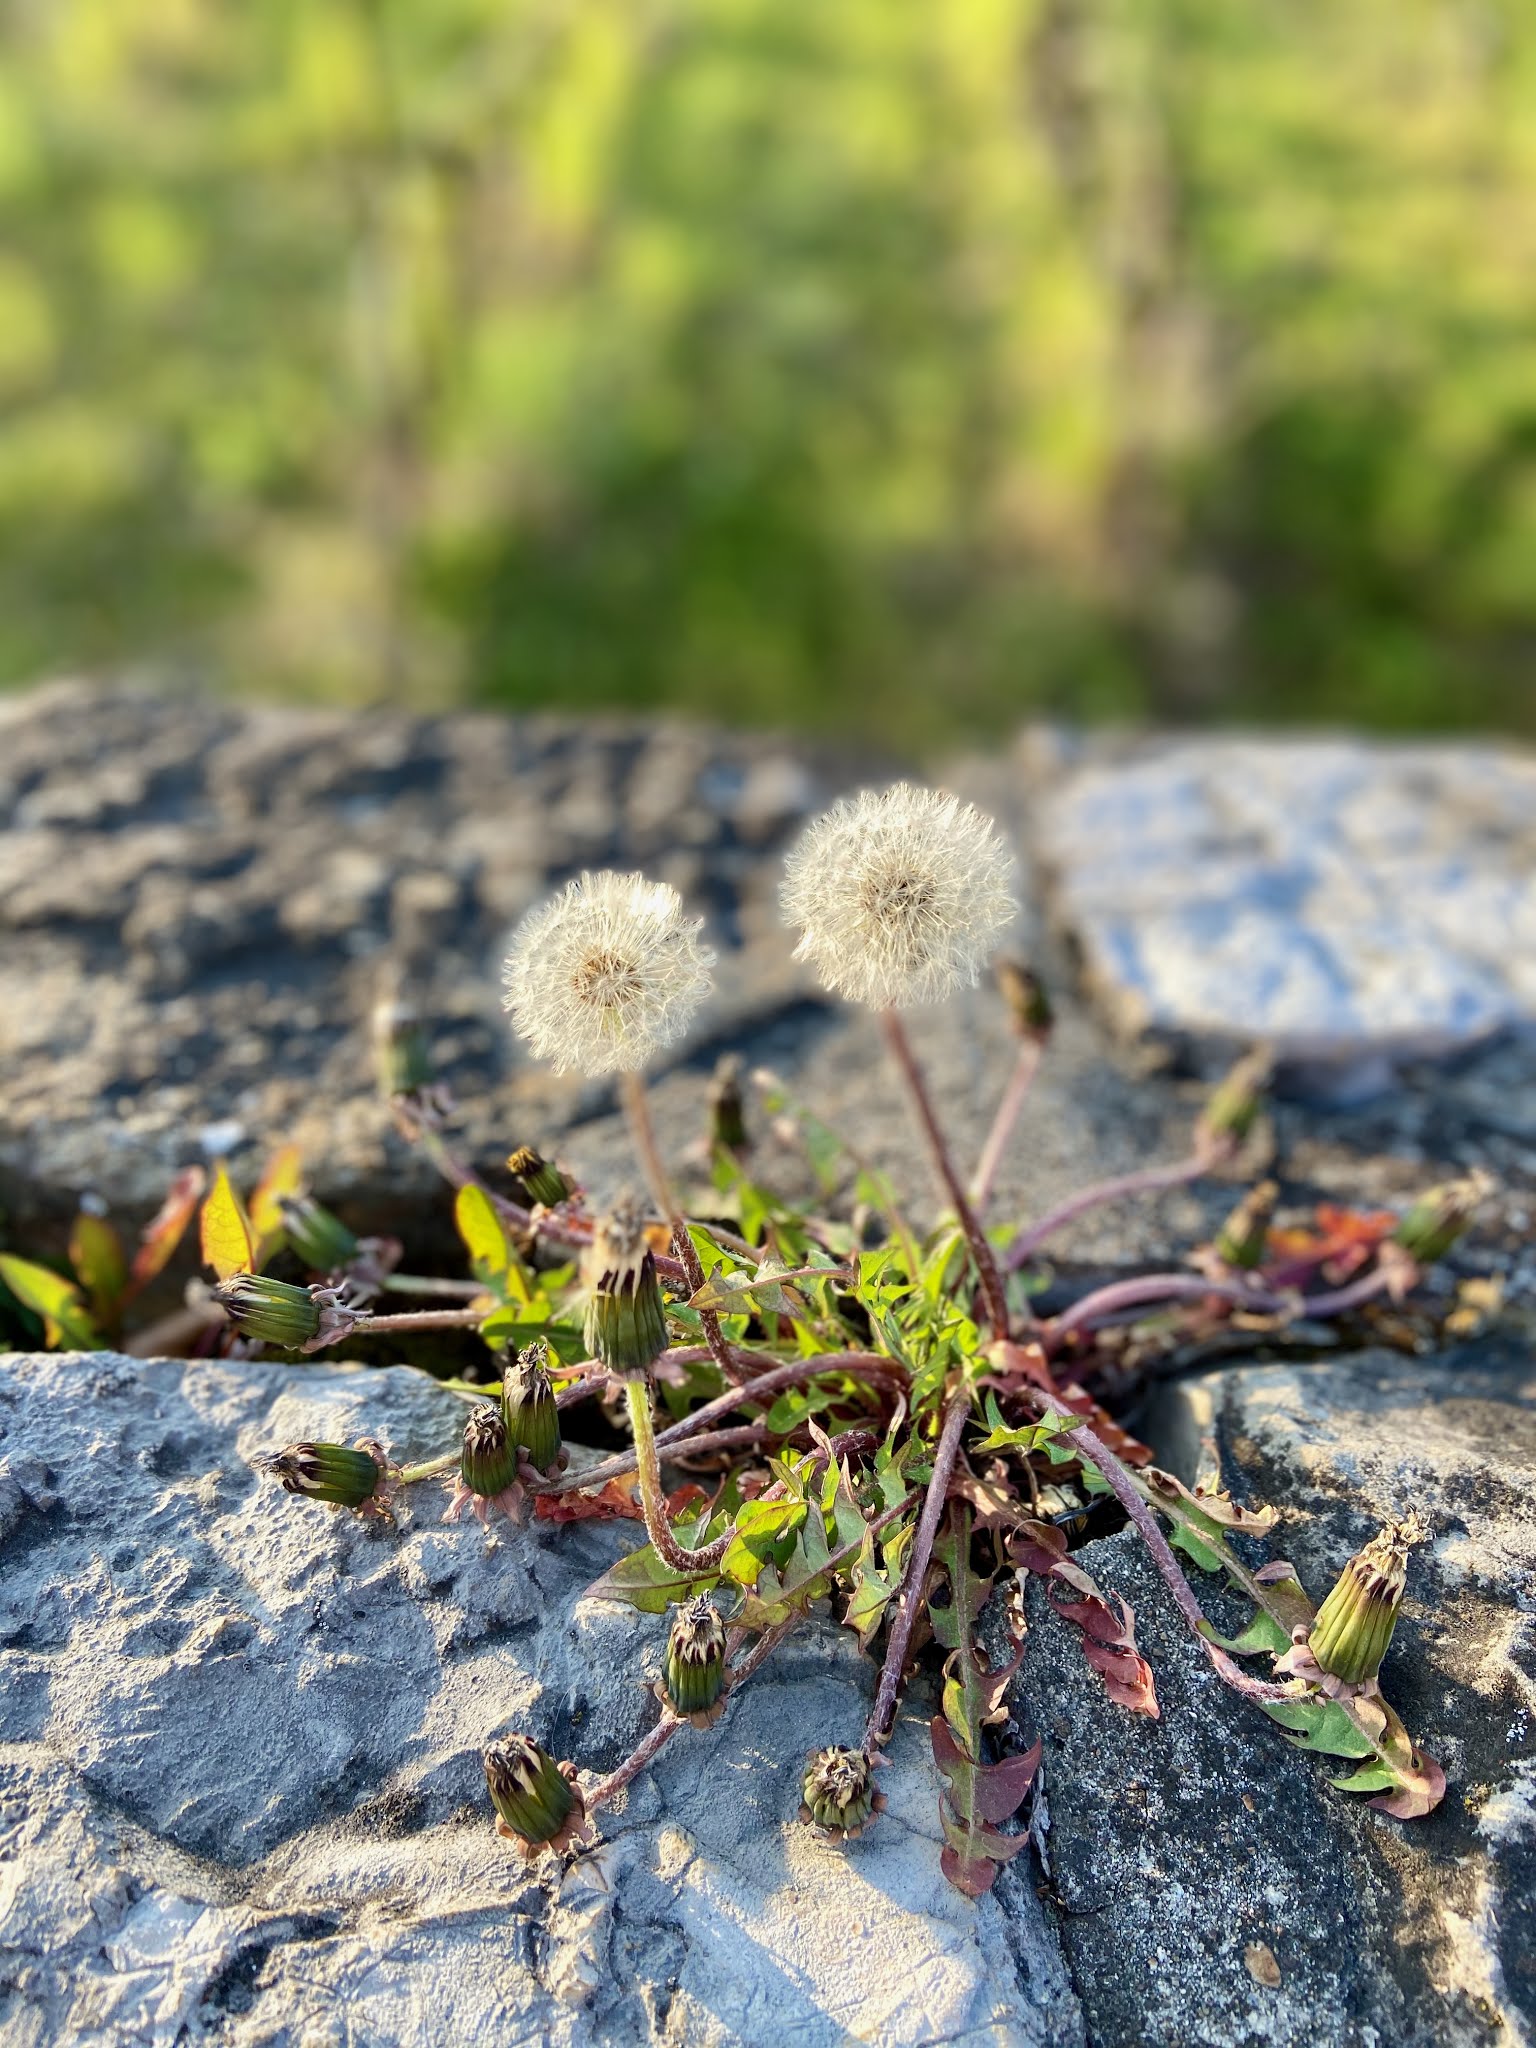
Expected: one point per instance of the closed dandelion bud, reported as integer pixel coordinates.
(727, 1112)
(330, 1472)
(838, 1790)
(401, 1058)
(1235, 1102)
(270, 1311)
(1438, 1219)
(1242, 1238)
(693, 1673)
(528, 1407)
(536, 1800)
(488, 1461)
(322, 1241)
(1354, 1624)
(1028, 1000)
(546, 1183)
(626, 1323)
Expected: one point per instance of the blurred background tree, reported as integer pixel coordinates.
(822, 361)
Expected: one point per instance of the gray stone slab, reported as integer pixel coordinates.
(1180, 1844)
(240, 1794)
(1353, 903)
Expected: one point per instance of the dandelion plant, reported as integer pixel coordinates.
(888, 1429)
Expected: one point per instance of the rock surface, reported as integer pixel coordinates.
(240, 1793)
(1351, 903)
(1186, 1849)
(200, 903)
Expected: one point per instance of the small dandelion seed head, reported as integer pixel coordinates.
(606, 974)
(899, 895)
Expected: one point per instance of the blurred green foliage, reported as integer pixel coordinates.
(824, 360)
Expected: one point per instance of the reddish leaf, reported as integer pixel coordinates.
(166, 1230)
(617, 1499)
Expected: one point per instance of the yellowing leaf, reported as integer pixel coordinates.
(492, 1259)
(226, 1234)
(167, 1228)
(282, 1175)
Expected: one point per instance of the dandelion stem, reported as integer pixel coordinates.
(1123, 1295)
(1147, 1181)
(609, 1788)
(1020, 1081)
(1122, 1485)
(417, 1283)
(910, 1598)
(987, 1274)
(418, 1319)
(637, 1109)
(652, 1499)
(409, 1474)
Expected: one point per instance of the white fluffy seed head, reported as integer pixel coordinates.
(605, 974)
(899, 895)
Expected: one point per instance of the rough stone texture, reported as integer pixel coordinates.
(199, 903)
(1351, 903)
(1386, 1935)
(240, 1795)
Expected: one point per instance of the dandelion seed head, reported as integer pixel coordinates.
(604, 975)
(899, 895)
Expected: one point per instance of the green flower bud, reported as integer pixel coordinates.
(488, 1461)
(1438, 1219)
(402, 1060)
(546, 1183)
(1242, 1238)
(693, 1672)
(1354, 1624)
(537, 1801)
(269, 1310)
(330, 1472)
(727, 1112)
(838, 1789)
(1029, 1002)
(1235, 1102)
(528, 1407)
(321, 1240)
(626, 1324)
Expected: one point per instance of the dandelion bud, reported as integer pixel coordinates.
(693, 1673)
(899, 896)
(607, 973)
(1354, 1624)
(528, 1407)
(401, 1058)
(838, 1790)
(537, 1800)
(488, 1461)
(329, 1472)
(546, 1183)
(322, 1241)
(1028, 1000)
(1235, 1102)
(270, 1311)
(626, 1325)
(1438, 1219)
(727, 1115)
(1242, 1238)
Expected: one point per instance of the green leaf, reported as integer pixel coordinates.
(100, 1263)
(765, 1533)
(645, 1582)
(1319, 1724)
(1263, 1633)
(66, 1320)
(491, 1258)
(1371, 1777)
